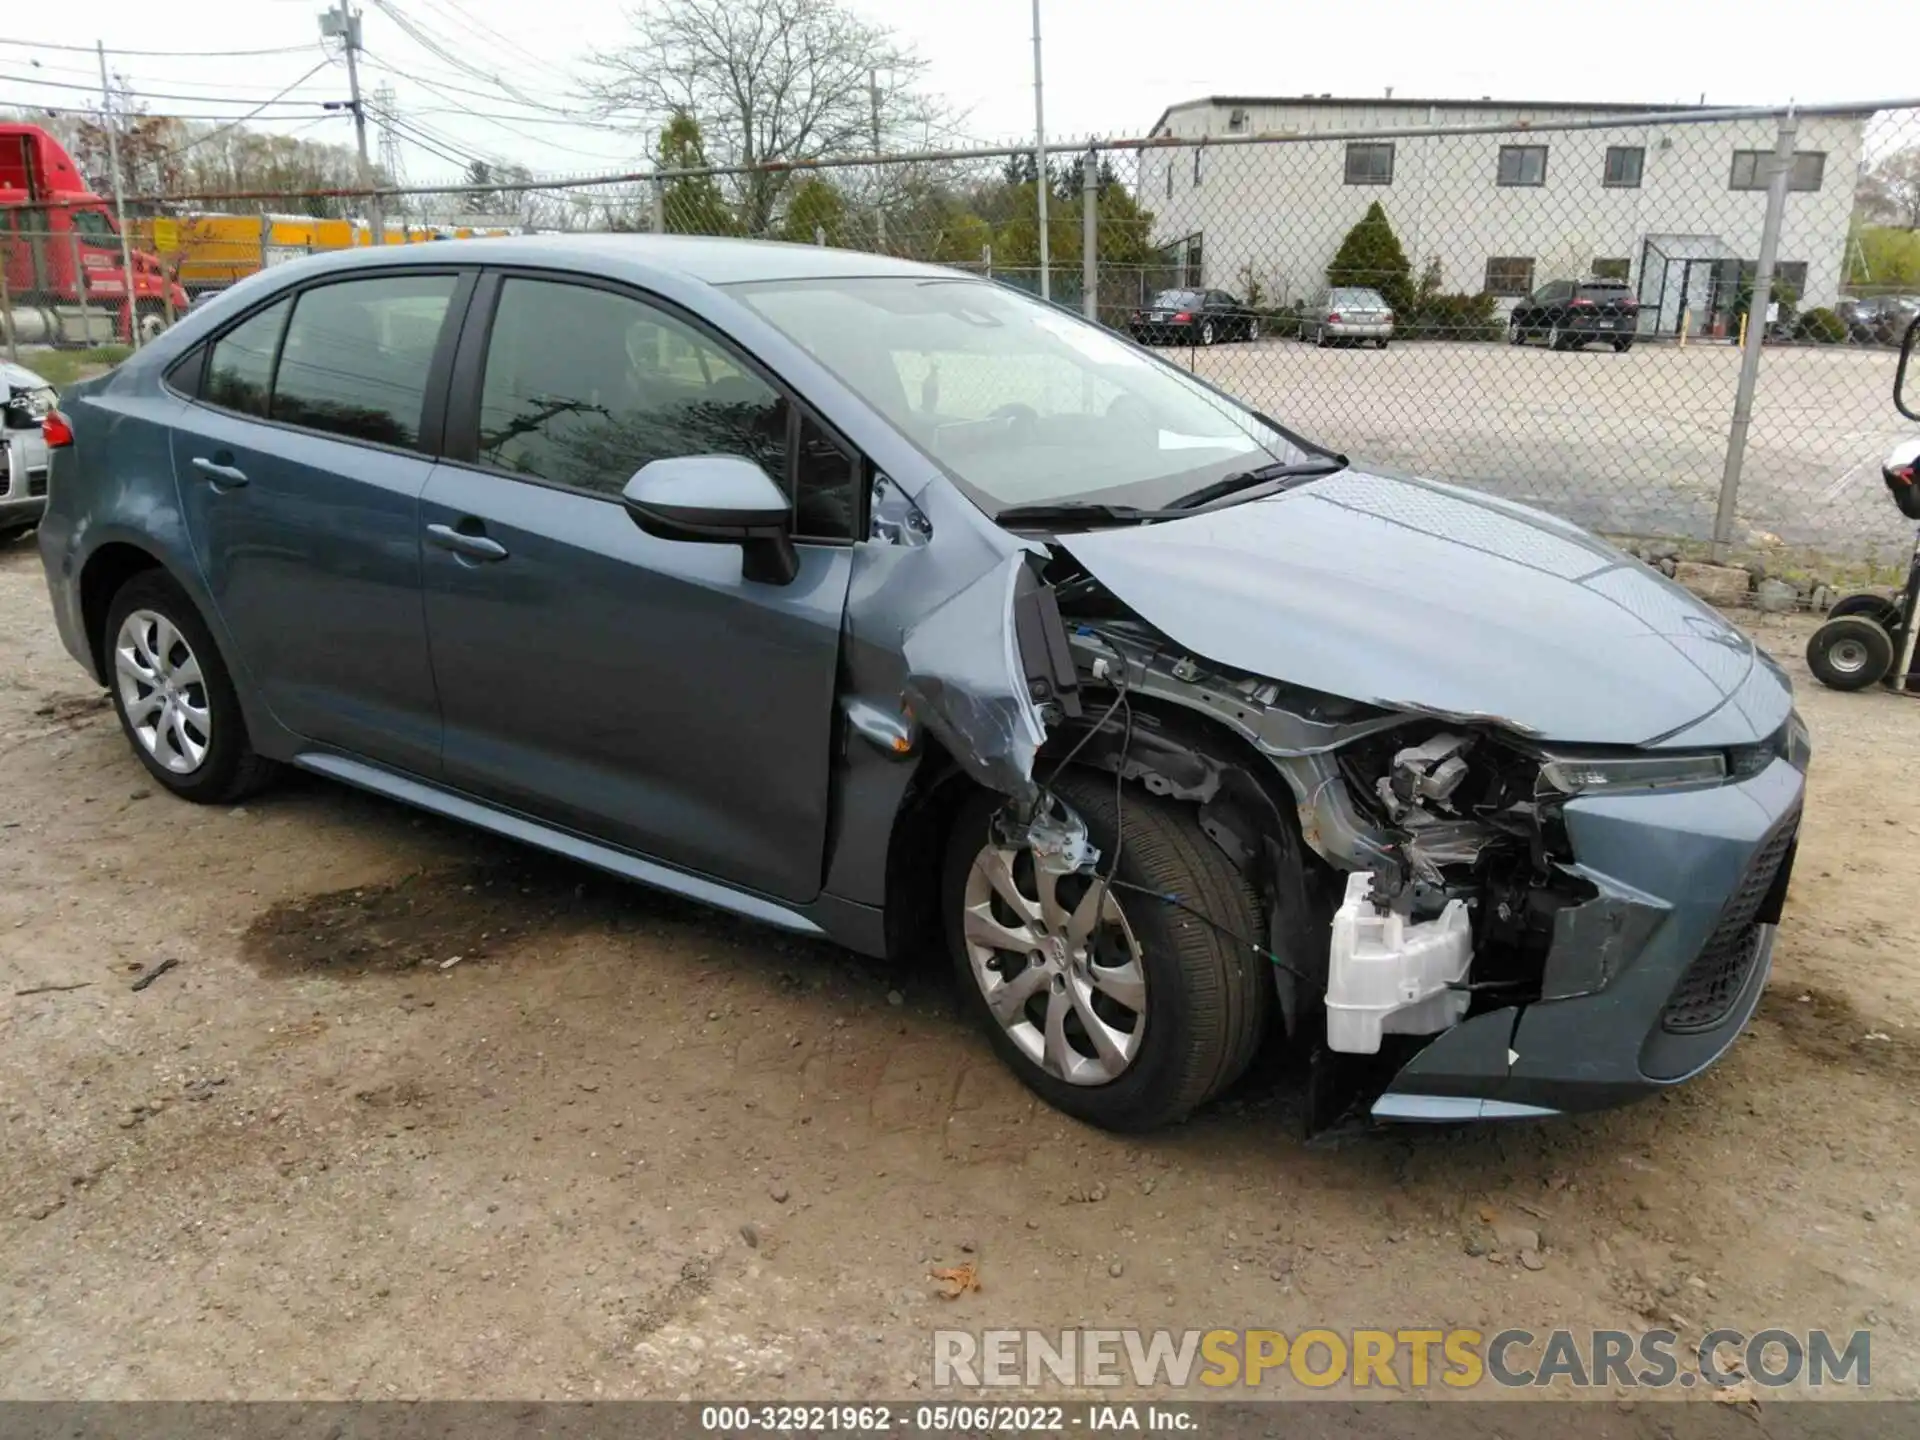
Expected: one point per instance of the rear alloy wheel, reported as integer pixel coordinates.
(1850, 653)
(1320, 337)
(1253, 328)
(175, 701)
(1206, 333)
(1111, 1004)
(1555, 340)
(1516, 335)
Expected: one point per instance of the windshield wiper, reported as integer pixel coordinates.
(1265, 475)
(1078, 513)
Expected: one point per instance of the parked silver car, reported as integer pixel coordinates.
(1347, 312)
(886, 604)
(25, 399)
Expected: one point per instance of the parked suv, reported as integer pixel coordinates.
(886, 604)
(1347, 312)
(25, 401)
(1878, 319)
(1566, 314)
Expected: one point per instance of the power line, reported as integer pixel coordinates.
(156, 54)
(499, 121)
(467, 21)
(427, 42)
(232, 124)
(149, 94)
(38, 109)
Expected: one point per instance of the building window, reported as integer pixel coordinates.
(1750, 170)
(1624, 164)
(1369, 163)
(1523, 165)
(1510, 275)
(1621, 270)
(1237, 122)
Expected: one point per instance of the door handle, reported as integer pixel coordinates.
(471, 547)
(224, 477)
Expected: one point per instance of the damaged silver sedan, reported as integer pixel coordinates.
(880, 602)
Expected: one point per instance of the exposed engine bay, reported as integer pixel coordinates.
(1411, 867)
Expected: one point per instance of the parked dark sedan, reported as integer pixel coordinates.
(885, 604)
(1878, 319)
(1566, 314)
(1193, 317)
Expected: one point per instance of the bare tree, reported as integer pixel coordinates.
(768, 81)
(1890, 191)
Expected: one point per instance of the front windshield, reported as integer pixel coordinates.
(1019, 402)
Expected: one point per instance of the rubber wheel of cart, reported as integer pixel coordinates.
(1878, 608)
(1850, 653)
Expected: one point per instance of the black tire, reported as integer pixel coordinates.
(1206, 332)
(1555, 339)
(1878, 608)
(1380, 344)
(1620, 347)
(10, 533)
(232, 769)
(1850, 653)
(1209, 997)
(1320, 338)
(1516, 334)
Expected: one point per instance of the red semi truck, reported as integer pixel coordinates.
(66, 280)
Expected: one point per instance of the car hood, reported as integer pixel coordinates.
(1414, 595)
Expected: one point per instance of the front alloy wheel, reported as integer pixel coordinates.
(1057, 964)
(1110, 1001)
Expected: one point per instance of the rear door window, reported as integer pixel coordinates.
(356, 357)
(239, 371)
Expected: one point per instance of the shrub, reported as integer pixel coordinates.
(1820, 326)
(1371, 256)
(1454, 317)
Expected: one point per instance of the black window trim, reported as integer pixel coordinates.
(460, 416)
(1639, 170)
(434, 396)
(1502, 183)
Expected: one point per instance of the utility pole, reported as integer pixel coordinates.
(1040, 155)
(119, 203)
(879, 199)
(343, 24)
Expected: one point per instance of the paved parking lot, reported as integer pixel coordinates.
(623, 1147)
(1629, 444)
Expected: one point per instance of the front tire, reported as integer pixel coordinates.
(1850, 653)
(1206, 333)
(1114, 1006)
(174, 697)
(1555, 340)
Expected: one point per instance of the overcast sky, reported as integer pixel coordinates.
(1111, 65)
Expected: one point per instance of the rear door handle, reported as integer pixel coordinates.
(226, 477)
(472, 547)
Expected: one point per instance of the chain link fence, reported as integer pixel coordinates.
(1676, 326)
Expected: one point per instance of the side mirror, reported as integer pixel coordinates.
(1900, 400)
(717, 500)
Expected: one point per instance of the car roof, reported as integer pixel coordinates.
(704, 258)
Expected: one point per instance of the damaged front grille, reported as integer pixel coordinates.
(1719, 972)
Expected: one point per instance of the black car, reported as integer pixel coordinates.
(1193, 317)
(1566, 314)
(1878, 319)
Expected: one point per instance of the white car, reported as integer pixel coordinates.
(1347, 312)
(25, 399)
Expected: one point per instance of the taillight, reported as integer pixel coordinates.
(1579, 304)
(1333, 317)
(56, 431)
(1183, 317)
(1387, 319)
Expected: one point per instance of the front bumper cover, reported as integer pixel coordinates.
(1669, 865)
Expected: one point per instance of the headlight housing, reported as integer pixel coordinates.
(1616, 774)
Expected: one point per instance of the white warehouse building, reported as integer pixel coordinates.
(1675, 207)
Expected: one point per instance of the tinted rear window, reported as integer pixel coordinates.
(356, 356)
(1602, 294)
(1176, 298)
(241, 366)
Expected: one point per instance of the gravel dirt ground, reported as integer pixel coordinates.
(624, 1147)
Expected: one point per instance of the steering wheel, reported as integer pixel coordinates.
(1017, 415)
